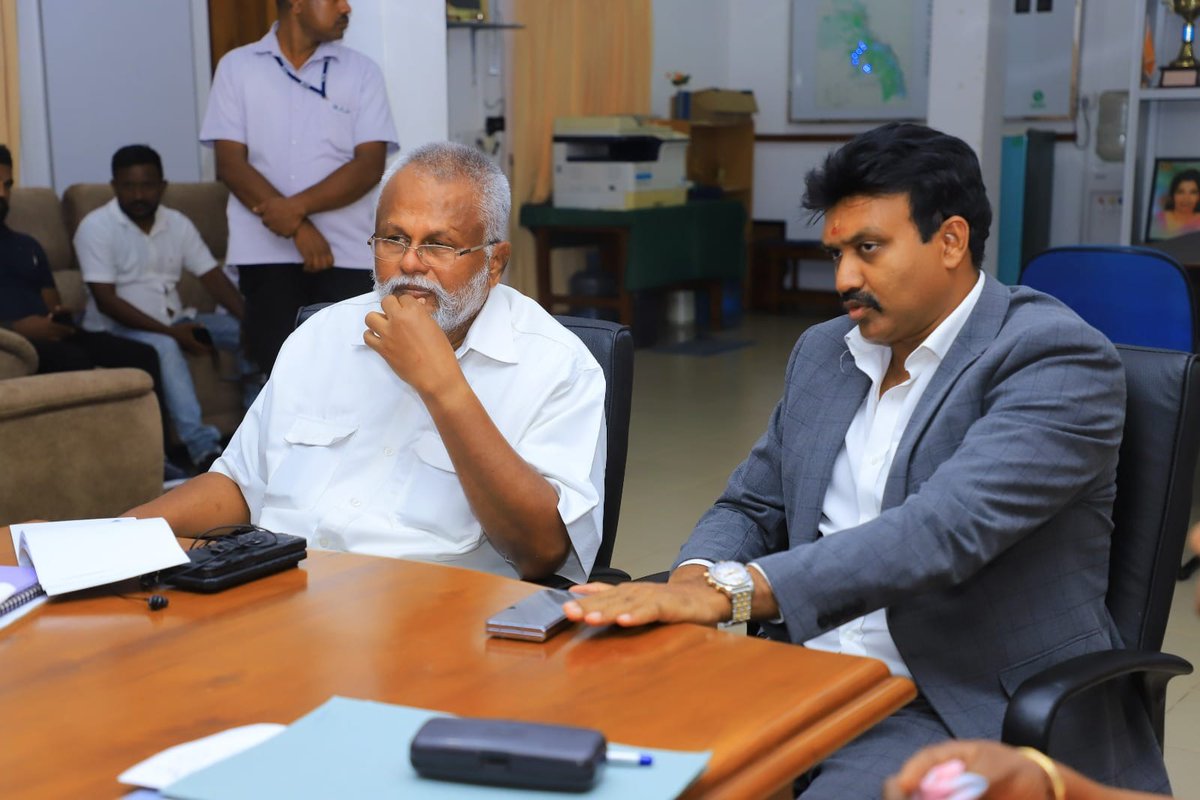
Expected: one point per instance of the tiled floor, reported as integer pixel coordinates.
(695, 418)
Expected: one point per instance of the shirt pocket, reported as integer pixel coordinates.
(313, 451)
(337, 127)
(433, 501)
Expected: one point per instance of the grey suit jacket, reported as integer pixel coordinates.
(991, 551)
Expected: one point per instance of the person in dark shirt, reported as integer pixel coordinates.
(30, 305)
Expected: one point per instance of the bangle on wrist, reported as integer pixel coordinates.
(1057, 787)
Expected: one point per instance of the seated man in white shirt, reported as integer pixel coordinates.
(443, 417)
(132, 252)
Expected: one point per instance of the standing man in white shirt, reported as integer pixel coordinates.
(935, 487)
(442, 417)
(132, 252)
(301, 128)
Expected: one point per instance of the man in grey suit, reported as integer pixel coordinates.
(934, 488)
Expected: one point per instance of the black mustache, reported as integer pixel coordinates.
(865, 299)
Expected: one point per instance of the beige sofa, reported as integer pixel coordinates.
(75, 445)
(39, 213)
(17, 356)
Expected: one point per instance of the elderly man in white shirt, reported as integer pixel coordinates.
(132, 253)
(300, 126)
(443, 417)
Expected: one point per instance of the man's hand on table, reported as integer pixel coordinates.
(687, 598)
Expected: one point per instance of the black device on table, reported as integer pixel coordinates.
(229, 556)
(508, 753)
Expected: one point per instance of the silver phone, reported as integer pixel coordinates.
(534, 619)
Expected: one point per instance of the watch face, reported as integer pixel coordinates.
(729, 573)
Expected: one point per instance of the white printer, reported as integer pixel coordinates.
(618, 162)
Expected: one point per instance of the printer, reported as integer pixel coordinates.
(617, 162)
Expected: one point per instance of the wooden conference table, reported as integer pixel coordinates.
(88, 687)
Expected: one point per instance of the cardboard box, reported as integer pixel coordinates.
(719, 106)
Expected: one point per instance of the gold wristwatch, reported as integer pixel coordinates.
(733, 579)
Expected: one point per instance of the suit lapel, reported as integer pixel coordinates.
(837, 392)
(979, 331)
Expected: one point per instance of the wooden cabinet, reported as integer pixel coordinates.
(721, 155)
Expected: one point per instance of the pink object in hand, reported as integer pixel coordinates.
(951, 781)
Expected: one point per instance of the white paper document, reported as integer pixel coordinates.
(163, 769)
(74, 555)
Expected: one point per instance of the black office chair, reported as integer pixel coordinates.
(1133, 295)
(1150, 516)
(612, 346)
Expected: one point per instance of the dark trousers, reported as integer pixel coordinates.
(88, 350)
(275, 292)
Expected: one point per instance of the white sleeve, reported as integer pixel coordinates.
(225, 116)
(373, 122)
(197, 258)
(567, 444)
(94, 251)
(245, 459)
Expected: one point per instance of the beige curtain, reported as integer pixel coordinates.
(574, 58)
(10, 93)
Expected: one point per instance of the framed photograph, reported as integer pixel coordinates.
(1174, 207)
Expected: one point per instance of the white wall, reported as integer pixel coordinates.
(690, 36)
(751, 37)
(408, 41)
(93, 81)
(33, 160)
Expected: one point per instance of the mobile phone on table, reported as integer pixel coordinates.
(201, 335)
(534, 619)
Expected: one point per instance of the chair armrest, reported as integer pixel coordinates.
(17, 356)
(1033, 706)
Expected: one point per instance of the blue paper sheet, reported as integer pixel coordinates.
(359, 748)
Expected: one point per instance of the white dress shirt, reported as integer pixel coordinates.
(295, 138)
(144, 267)
(341, 451)
(855, 492)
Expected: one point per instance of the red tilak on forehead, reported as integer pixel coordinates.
(834, 229)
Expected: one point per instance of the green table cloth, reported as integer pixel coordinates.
(703, 240)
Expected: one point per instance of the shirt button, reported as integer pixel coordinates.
(354, 501)
(876, 461)
(323, 541)
(387, 451)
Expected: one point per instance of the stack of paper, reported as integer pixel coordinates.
(80, 554)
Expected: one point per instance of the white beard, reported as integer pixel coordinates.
(453, 309)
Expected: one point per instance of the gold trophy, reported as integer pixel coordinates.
(1182, 71)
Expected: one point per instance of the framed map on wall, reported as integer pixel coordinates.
(859, 60)
(862, 60)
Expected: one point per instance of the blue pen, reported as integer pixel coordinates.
(616, 755)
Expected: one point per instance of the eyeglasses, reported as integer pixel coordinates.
(435, 256)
